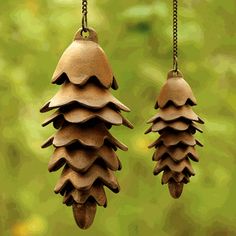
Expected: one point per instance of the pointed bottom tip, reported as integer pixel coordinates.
(175, 189)
(84, 214)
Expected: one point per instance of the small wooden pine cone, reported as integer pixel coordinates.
(176, 124)
(86, 110)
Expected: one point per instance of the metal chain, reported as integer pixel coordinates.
(175, 35)
(85, 14)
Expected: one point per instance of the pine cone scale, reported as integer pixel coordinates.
(174, 166)
(82, 159)
(177, 177)
(90, 95)
(96, 192)
(175, 153)
(174, 139)
(86, 180)
(82, 115)
(92, 136)
(172, 113)
(176, 125)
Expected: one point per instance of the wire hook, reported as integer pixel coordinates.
(85, 14)
(175, 66)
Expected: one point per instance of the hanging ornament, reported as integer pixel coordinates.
(176, 124)
(85, 111)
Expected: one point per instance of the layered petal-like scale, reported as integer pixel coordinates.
(85, 112)
(81, 159)
(82, 114)
(176, 124)
(90, 95)
(84, 181)
(91, 135)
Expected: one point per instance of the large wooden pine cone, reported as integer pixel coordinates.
(176, 124)
(86, 110)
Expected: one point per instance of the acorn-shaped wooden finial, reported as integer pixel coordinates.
(176, 124)
(85, 111)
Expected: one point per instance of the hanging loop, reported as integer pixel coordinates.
(85, 14)
(174, 74)
(92, 35)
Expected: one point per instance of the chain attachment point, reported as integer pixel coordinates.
(175, 64)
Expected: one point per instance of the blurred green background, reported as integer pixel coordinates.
(137, 37)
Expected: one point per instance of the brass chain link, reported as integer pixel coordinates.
(175, 35)
(85, 14)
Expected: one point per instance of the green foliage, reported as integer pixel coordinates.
(137, 38)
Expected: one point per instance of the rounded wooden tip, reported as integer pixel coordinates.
(175, 189)
(84, 214)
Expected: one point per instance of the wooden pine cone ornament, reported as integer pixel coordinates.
(176, 124)
(86, 110)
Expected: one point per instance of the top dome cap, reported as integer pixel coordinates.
(82, 60)
(177, 91)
